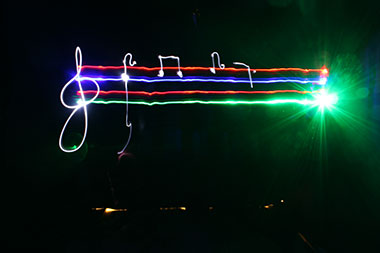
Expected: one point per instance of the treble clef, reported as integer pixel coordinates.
(82, 103)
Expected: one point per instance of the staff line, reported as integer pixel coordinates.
(145, 93)
(210, 102)
(318, 81)
(229, 69)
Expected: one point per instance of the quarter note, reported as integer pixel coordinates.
(125, 78)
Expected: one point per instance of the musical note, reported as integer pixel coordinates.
(221, 66)
(125, 78)
(82, 103)
(249, 71)
(161, 72)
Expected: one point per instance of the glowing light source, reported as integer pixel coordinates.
(268, 206)
(324, 71)
(323, 80)
(325, 100)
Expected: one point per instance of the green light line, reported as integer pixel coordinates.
(212, 102)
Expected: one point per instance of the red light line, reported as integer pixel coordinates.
(322, 70)
(185, 92)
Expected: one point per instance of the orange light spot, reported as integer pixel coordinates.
(324, 71)
(268, 206)
(110, 210)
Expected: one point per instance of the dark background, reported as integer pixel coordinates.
(236, 159)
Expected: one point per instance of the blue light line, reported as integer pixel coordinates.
(145, 79)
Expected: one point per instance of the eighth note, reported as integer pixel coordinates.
(221, 66)
(161, 72)
(249, 71)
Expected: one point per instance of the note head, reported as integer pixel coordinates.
(124, 77)
(212, 70)
(179, 73)
(161, 73)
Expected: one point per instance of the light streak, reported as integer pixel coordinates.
(317, 81)
(212, 102)
(82, 102)
(221, 66)
(230, 69)
(249, 71)
(161, 72)
(183, 208)
(187, 92)
(111, 210)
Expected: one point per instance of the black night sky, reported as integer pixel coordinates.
(253, 178)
